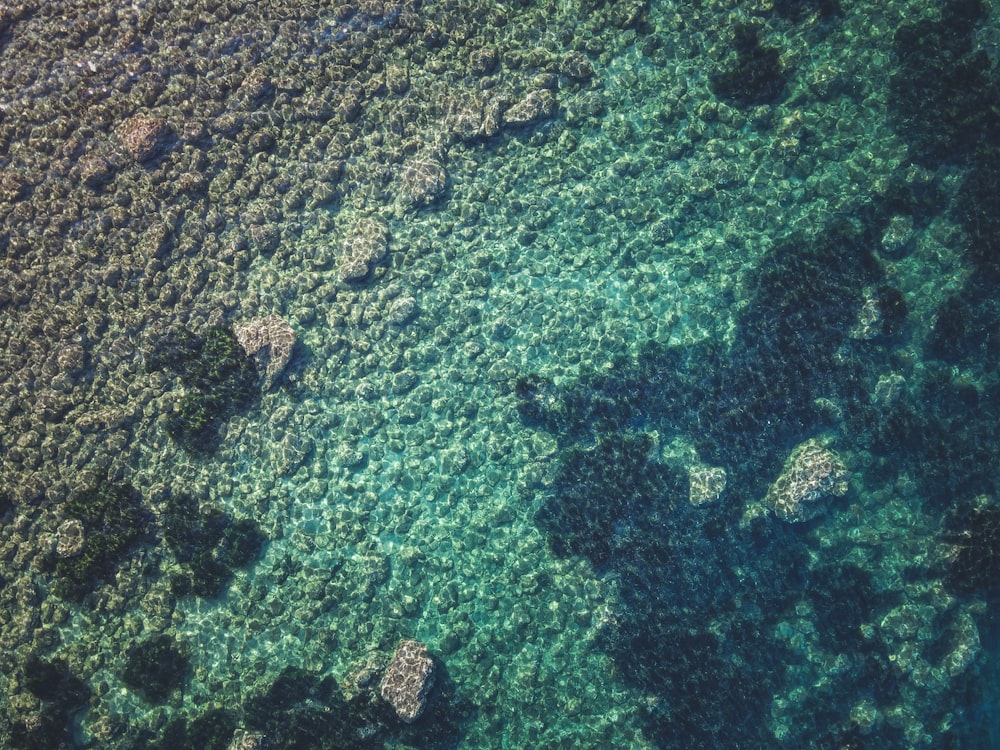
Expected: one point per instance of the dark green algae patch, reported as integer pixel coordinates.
(701, 593)
(704, 591)
(114, 521)
(218, 378)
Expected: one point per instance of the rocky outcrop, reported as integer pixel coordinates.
(365, 246)
(705, 484)
(536, 106)
(423, 181)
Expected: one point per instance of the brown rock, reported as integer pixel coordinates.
(70, 538)
(244, 740)
(145, 138)
(705, 484)
(266, 237)
(812, 473)
(483, 61)
(408, 680)
(576, 65)
(492, 117)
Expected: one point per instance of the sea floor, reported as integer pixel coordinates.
(637, 358)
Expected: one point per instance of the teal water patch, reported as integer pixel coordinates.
(734, 262)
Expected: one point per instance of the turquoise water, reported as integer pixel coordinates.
(638, 359)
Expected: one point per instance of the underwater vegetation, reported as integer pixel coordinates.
(754, 75)
(61, 693)
(700, 593)
(700, 596)
(208, 543)
(973, 528)
(744, 407)
(946, 431)
(156, 667)
(798, 10)
(944, 435)
(598, 488)
(211, 730)
(300, 710)
(218, 377)
(114, 520)
(943, 83)
(939, 96)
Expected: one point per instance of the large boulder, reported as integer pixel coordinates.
(145, 138)
(705, 484)
(535, 107)
(423, 181)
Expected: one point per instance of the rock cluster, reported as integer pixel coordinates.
(811, 473)
(366, 245)
(244, 740)
(408, 680)
(269, 342)
(577, 67)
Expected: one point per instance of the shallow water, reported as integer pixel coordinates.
(644, 370)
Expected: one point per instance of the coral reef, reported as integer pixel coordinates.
(535, 107)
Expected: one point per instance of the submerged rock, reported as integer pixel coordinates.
(408, 680)
(811, 474)
(70, 538)
(424, 180)
(533, 108)
(706, 484)
(366, 245)
(145, 138)
(269, 342)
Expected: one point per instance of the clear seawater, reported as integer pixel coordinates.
(645, 370)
